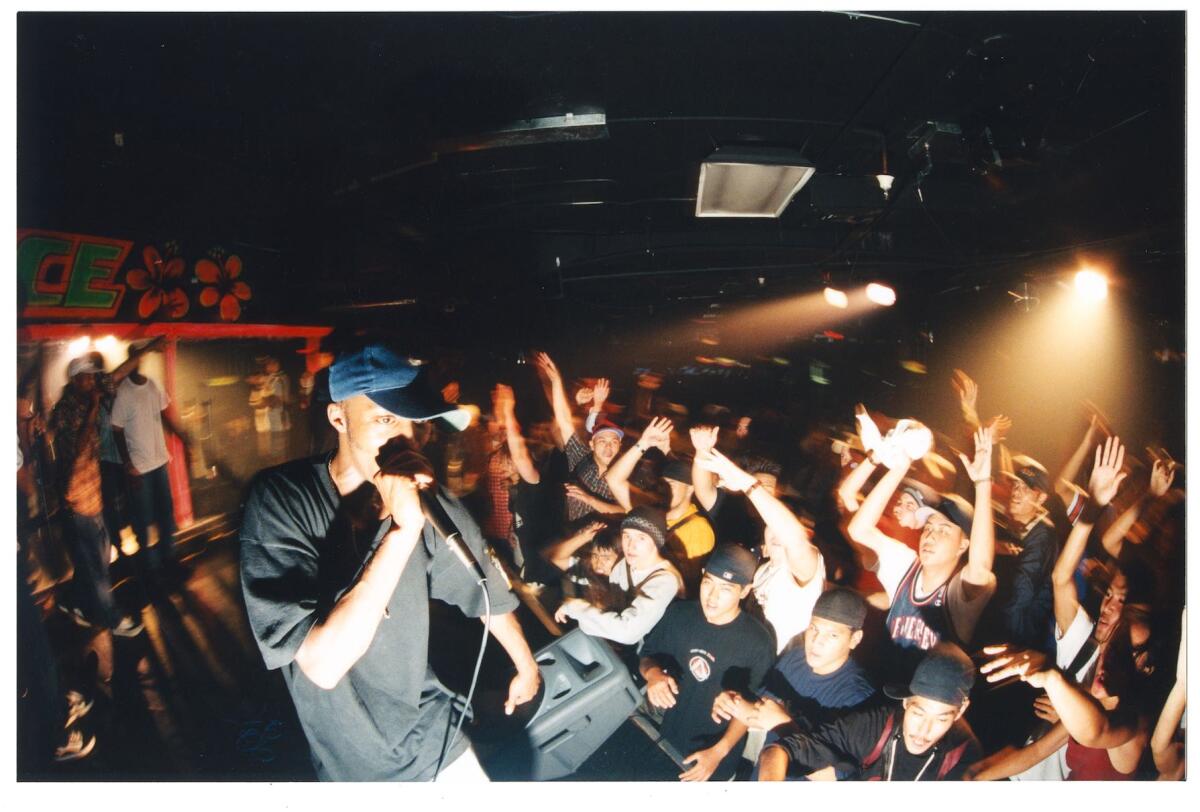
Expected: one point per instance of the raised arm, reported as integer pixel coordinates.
(982, 549)
(130, 364)
(857, 479)
(1071, 469)
(617, 475)
(563, 420)
(334, 644)
(1168, 754)
(1105, 480)
(1082, 714)
(505, 408)
(802, 556)
(704, 440)
(1161, 477)
(968, 396)
(559, 554)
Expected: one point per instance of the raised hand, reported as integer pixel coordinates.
(503, 400)
(1027, 664)
(583, 395)
(658, 433)
(1000, 426)
(704, 439)
(1161, 477)
(980, 468)
(732, 477)
(1106, 473)
(868, 432)
(548, 368)
(968, 390)
(600, 394)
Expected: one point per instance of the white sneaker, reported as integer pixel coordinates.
(75, 748)
(77, 707)
(128, 627)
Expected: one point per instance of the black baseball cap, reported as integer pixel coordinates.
(733, 563)
(841, 605)
(678, 470)
(946, 674)
(397, 384)
(1031, 472)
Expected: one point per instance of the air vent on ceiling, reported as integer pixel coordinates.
(750, 182)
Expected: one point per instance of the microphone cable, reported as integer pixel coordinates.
(462, 714)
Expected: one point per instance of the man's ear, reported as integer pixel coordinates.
(745, 591)
(336, 412)
(1042, 497)
(855, 639)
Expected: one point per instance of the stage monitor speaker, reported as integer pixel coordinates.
(587, 694)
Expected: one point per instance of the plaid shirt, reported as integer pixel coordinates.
(584, 468)
(499, 520)
(77, 443)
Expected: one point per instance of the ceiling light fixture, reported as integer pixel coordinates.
(750, 182)
(1091, 285)
(881, 294)
(837, 298)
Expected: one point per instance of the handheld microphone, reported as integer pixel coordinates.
(448, 530)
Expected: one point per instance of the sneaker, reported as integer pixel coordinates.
(76, 614)
(128, 627)
(77, 747)
(77, 707)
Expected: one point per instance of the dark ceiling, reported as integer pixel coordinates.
(354, 146)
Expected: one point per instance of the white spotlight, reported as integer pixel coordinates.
(836, 298)
(78, 347)
(1091, 285)
(885, 183)
(107, 344)
(881, 294)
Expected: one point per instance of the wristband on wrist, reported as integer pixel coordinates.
(981, 481)
(1091, 511)
(750, 490)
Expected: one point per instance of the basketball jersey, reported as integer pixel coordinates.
(919, 623)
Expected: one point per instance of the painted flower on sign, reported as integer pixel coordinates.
(224, 287)
(161, 282)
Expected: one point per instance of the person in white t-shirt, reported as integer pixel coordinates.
(139, 413)
(789, 582)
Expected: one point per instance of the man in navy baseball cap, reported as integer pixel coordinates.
(352, 642)
(395, 383)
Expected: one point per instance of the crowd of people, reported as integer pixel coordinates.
(905, 618)
(907, 604)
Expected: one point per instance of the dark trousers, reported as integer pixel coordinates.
(115, 491)
(40, 708)
(91, 585)
(152, 504)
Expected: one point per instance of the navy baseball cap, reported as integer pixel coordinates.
(732, 562)
(397, 384)
(946, 674)
(1031, 472)
(954, 508)
(841, 605)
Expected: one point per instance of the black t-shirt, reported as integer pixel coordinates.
(705, 660)
(302, 547)
(855, 738)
